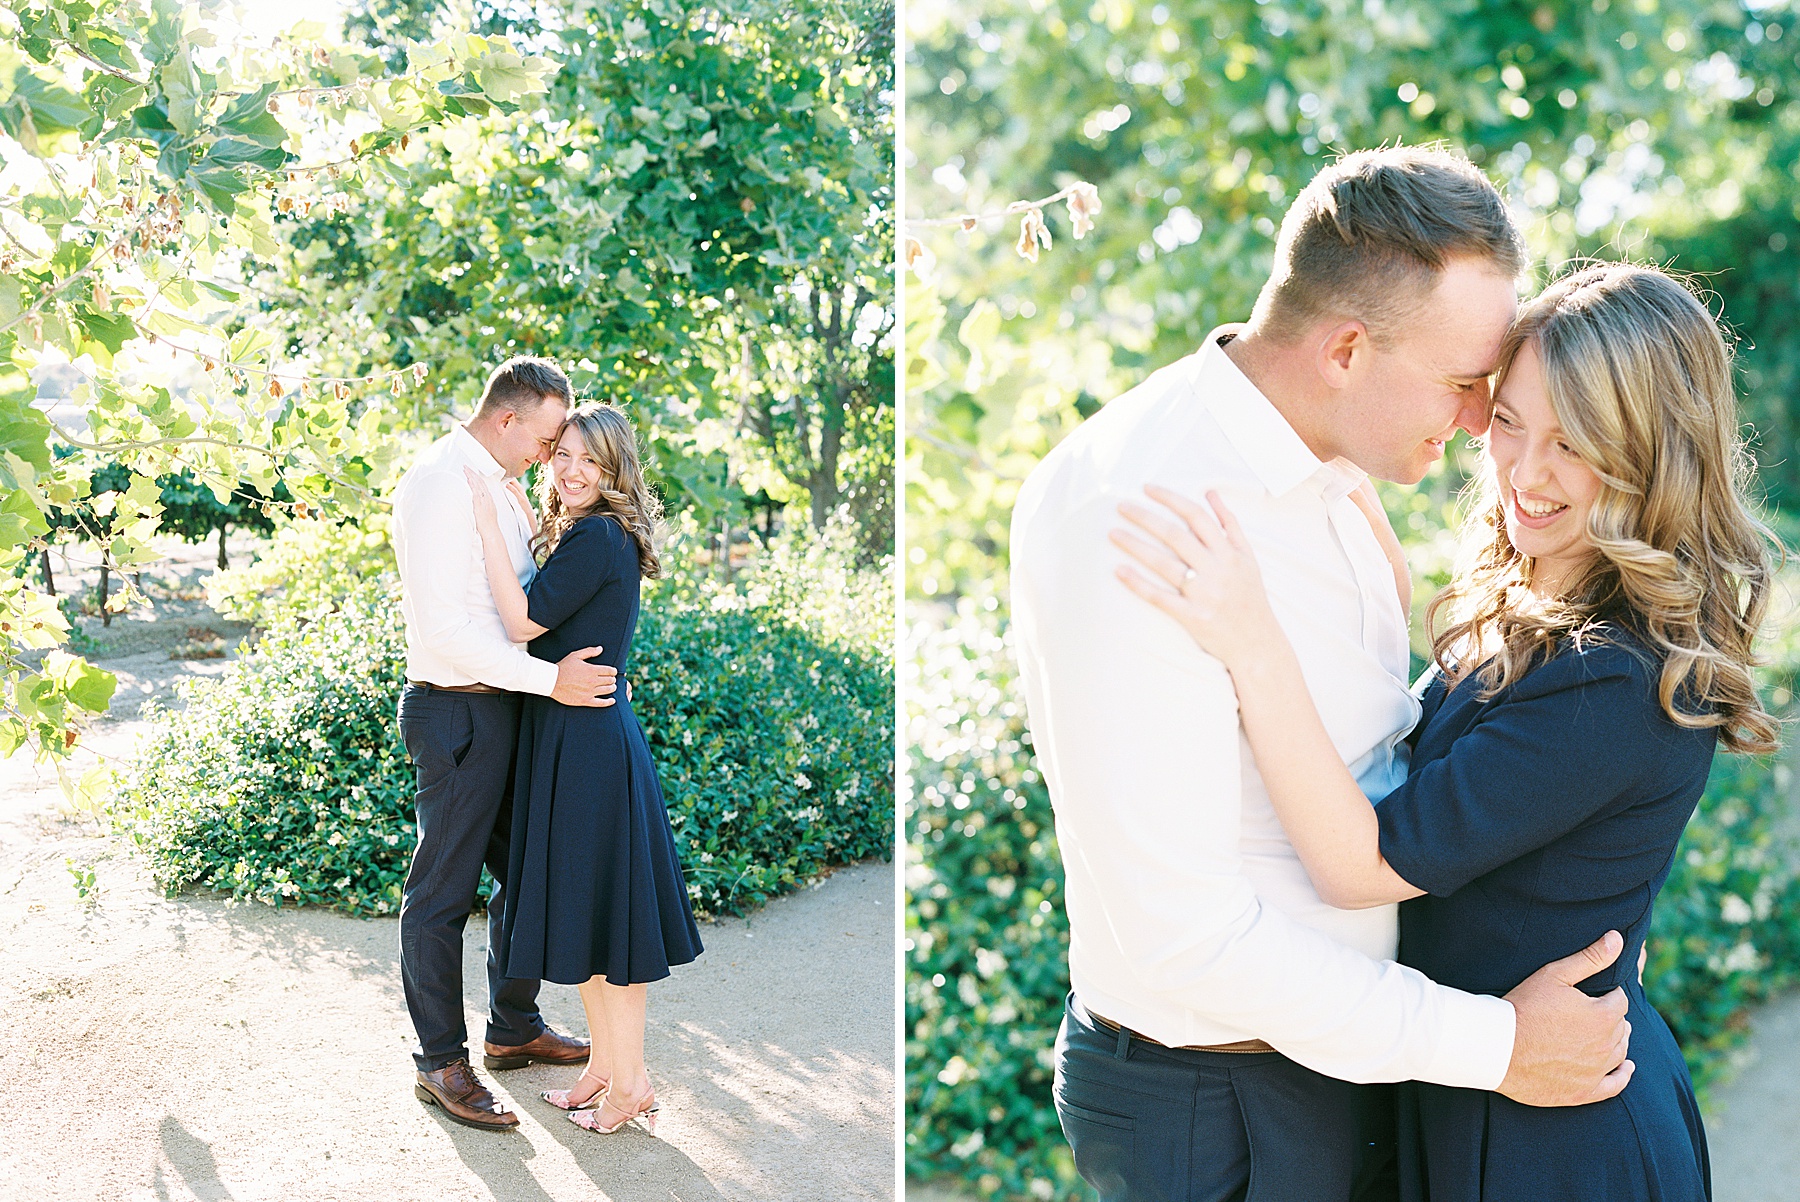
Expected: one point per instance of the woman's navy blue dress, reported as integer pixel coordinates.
(1536, 822)
(595, 884)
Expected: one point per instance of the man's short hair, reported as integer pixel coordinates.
(521, 385)
(1366, 239)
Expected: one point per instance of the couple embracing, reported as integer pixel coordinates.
(1242, 978)
(529, 760)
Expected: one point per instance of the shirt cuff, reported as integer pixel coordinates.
(539, 676)
(1475, 1041)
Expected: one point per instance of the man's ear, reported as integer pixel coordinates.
(1342, 351)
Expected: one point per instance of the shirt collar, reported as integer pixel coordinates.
(478, 456)
(1272, 448)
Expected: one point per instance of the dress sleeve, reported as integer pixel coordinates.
(1561, 746)
(589, 555)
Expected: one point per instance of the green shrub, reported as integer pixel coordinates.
(987, 939)
(775, 750)
(1727, 929)
(986, 935)
(284, 780)
(813, 578)
(309, 567)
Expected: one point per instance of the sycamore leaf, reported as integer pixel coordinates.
(247, 342)
(111, 330)
(89, 687)
(20, 518)
(40, 622)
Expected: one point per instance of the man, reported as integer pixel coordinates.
(459, 717)
(1219, 1009)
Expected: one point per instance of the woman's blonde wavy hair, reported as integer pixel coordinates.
(622, 493)
(1640, 380)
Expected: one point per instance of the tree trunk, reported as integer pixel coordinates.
(105, 586)
(44, 566)
(825, 491)
(223, 562)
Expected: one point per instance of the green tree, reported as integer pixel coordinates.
(193, 512)
(149, 164)
(699, 223)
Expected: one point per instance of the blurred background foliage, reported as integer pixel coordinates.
(1662, 131)
(698, 221)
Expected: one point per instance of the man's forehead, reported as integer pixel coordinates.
(549, 418)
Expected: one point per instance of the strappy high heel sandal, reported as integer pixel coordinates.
(563, 1099)
(645, 1109)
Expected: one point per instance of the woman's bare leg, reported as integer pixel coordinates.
(600, 1055)
(623, 1023)
(594, 1078)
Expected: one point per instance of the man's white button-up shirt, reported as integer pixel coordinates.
(454, 635)
(1191, 919)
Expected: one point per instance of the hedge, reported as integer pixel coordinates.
(284, 781)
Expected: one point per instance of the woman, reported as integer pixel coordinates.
(598, 898)
(1585, 668)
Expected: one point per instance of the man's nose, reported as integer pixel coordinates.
(1477, 412)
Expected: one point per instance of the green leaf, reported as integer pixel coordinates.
(24, 431)
(111, 330)
(89, 687)
(249, 117)
(231, 152)
(162, 321)
(54, 108)
(247, 342)
(20, 518)
(220, 185)
(107, 47)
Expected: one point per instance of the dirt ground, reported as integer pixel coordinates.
(190, 1049)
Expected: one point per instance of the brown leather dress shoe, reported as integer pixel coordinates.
(551, 1047)
(457, 1089)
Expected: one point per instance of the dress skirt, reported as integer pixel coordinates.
(1645, 1145)
(595, 886)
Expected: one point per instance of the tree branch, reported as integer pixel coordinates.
(969, 221)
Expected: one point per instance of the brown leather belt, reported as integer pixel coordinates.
(1242, 1047)
(458, 688)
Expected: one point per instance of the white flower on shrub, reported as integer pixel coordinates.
(1735, 910)
(969, 1144)
(1742, 958)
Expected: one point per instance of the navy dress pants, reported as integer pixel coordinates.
(462, 747)
(1154, 1124)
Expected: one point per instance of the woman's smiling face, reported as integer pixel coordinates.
(573, 469)
(1545, 487)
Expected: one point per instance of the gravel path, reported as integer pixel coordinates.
(1753, 1123)
(189, 1049)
